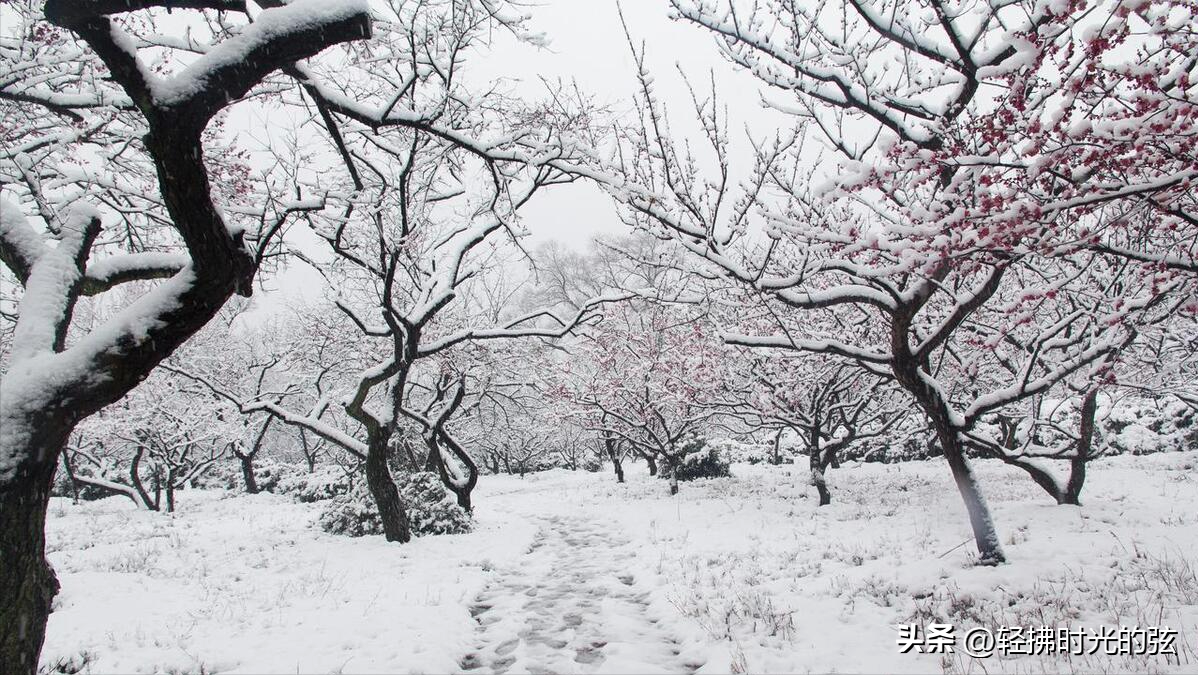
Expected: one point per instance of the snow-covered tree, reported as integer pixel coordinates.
(829, 405)
(895, 256)
(109, 180)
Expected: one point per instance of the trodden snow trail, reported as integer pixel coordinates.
(570, 605)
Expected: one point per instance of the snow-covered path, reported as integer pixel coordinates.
(571, 605)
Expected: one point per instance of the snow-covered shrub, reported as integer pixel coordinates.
(1143, 426)
(431, 509)
(220, 476)
(326, 482)
(741, 452)
(699, 460)
(269, 474)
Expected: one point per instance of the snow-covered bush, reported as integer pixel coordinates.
(220, 476)
(699, 460)
(326, 482)
(431, 509)
(742, 452)
(269, 474)
(1141, 427)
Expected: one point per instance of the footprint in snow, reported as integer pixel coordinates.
(569, 606)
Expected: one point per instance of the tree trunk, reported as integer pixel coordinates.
(386, 496)
(652, 464)
(670, 469)
(309, 454)
(461, 492)
(135, 481)
(27, 582)
(1085, 450)
(832, 459)
(911, 375)
(170, 490)
(66, 464)
(984, 534)
(613, 453)
(247, 473)
(776, 458)
(815, 460)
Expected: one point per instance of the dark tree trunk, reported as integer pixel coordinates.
(984, 534)
(66, 464)
(27, 582)
(613, 453)
(309, 454)
(652, 461)
(832, 459)
(1085, 450)
(1070, 493)
(815, 460)
(669, 468)
(776, 458)
(386, 496)
(247, 473)
(157, 489)
(135, 481)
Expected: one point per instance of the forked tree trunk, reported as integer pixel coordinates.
(1070, 492)
(27, 582)
(386, 496)
(461, 492)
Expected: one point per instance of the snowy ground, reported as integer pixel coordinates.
(570, 572)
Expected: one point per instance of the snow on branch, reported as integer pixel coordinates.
(817, 346)
(248, 406)
(51, 276)
(279, 37)
(114, 270)
(512, 329)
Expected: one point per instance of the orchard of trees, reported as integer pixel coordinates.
(970, 232)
